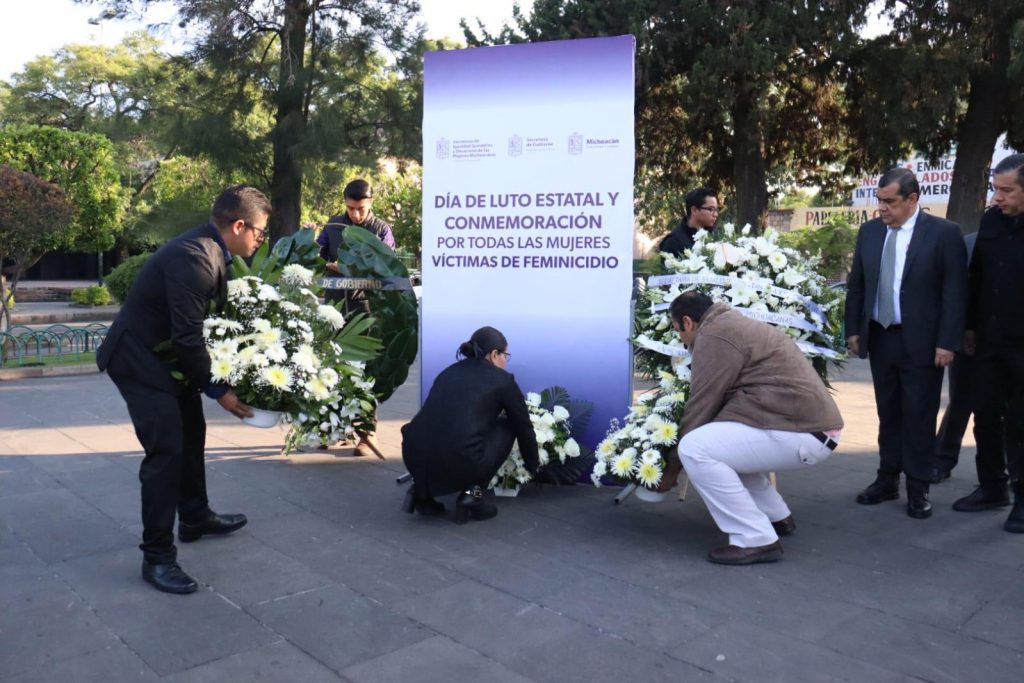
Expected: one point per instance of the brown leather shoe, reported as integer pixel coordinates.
(731, 554)
(784, 527)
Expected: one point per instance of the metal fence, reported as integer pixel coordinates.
(25, 346)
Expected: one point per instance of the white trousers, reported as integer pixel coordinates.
(728, 462)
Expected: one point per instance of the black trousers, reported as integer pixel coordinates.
(441, 473)
(999, 413)
(958, 412)
(907, 398)
(172, 431)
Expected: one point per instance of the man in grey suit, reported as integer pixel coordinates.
(905, 305)
(159, 330)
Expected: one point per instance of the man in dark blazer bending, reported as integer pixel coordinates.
(159, 330)
(905, 306)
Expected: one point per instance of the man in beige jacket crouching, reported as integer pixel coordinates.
(755, 406)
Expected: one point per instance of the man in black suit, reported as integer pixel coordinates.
(958, 411)
(995, 335)
(156, 355)
(701, 214)
(905, 301)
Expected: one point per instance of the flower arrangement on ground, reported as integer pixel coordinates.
(554, 417)
(754, 275)
(282, 350)
(636, 451)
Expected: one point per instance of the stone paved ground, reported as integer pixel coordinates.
(329, 581)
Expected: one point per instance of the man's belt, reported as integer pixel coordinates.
(829, 442)
(381, 284)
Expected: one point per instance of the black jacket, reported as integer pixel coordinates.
(995, 308)
(168, 302)
(679, 240)
(933, 296)
(445, 444)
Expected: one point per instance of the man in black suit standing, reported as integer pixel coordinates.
(701, 214)
(905, 301)
(995, 334)
(159, 330)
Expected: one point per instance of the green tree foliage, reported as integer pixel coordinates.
(306, 78)
(950, 74)
(120, 280)
(127, 93)
(33, 213)
(832, 243)
(738, 96)
(82, 165)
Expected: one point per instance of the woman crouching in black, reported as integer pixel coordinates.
(465, 430)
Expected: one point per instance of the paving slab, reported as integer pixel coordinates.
(330, 581)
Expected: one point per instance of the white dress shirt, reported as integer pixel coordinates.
(902, 237)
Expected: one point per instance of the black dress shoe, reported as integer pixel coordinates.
(983, 498)
(784, 527)
(731, 554)
(881, 489)
(918, 505)
(169, 578)
(937, 475)
(216, 525)
(471, 505)
(425, 505)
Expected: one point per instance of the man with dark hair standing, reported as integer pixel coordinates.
(701, 214)
(995, 335)
(756, 406)
(159, 329)
(358, 211)
(905, 300)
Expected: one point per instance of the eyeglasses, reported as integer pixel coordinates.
(709, 209)
(506, 354)
(259, 232)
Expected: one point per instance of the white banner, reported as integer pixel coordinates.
(528, 213)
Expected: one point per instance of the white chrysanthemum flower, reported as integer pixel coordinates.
(261, 325)
(329, 377)
(622, 466)
(544, 434)
(560, 414)
(268, 293)
(665, 435)
(543, 456)
(571, 448)
(220, 369)
(606, 448)
(277, 377)
(533, 399)
(653, 422)
(259, 360)
(289, 307)
(331, 316)
(305, 358)
(649, 474)
(778, 260)
(650, 455)
(223, 348)
(295, 274)
(276, 353)
(237, 289)
(791, 277)
(317, 389)
(269, 337)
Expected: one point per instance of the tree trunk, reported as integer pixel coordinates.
(749, 166)
(978, 132)
(290, 122)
